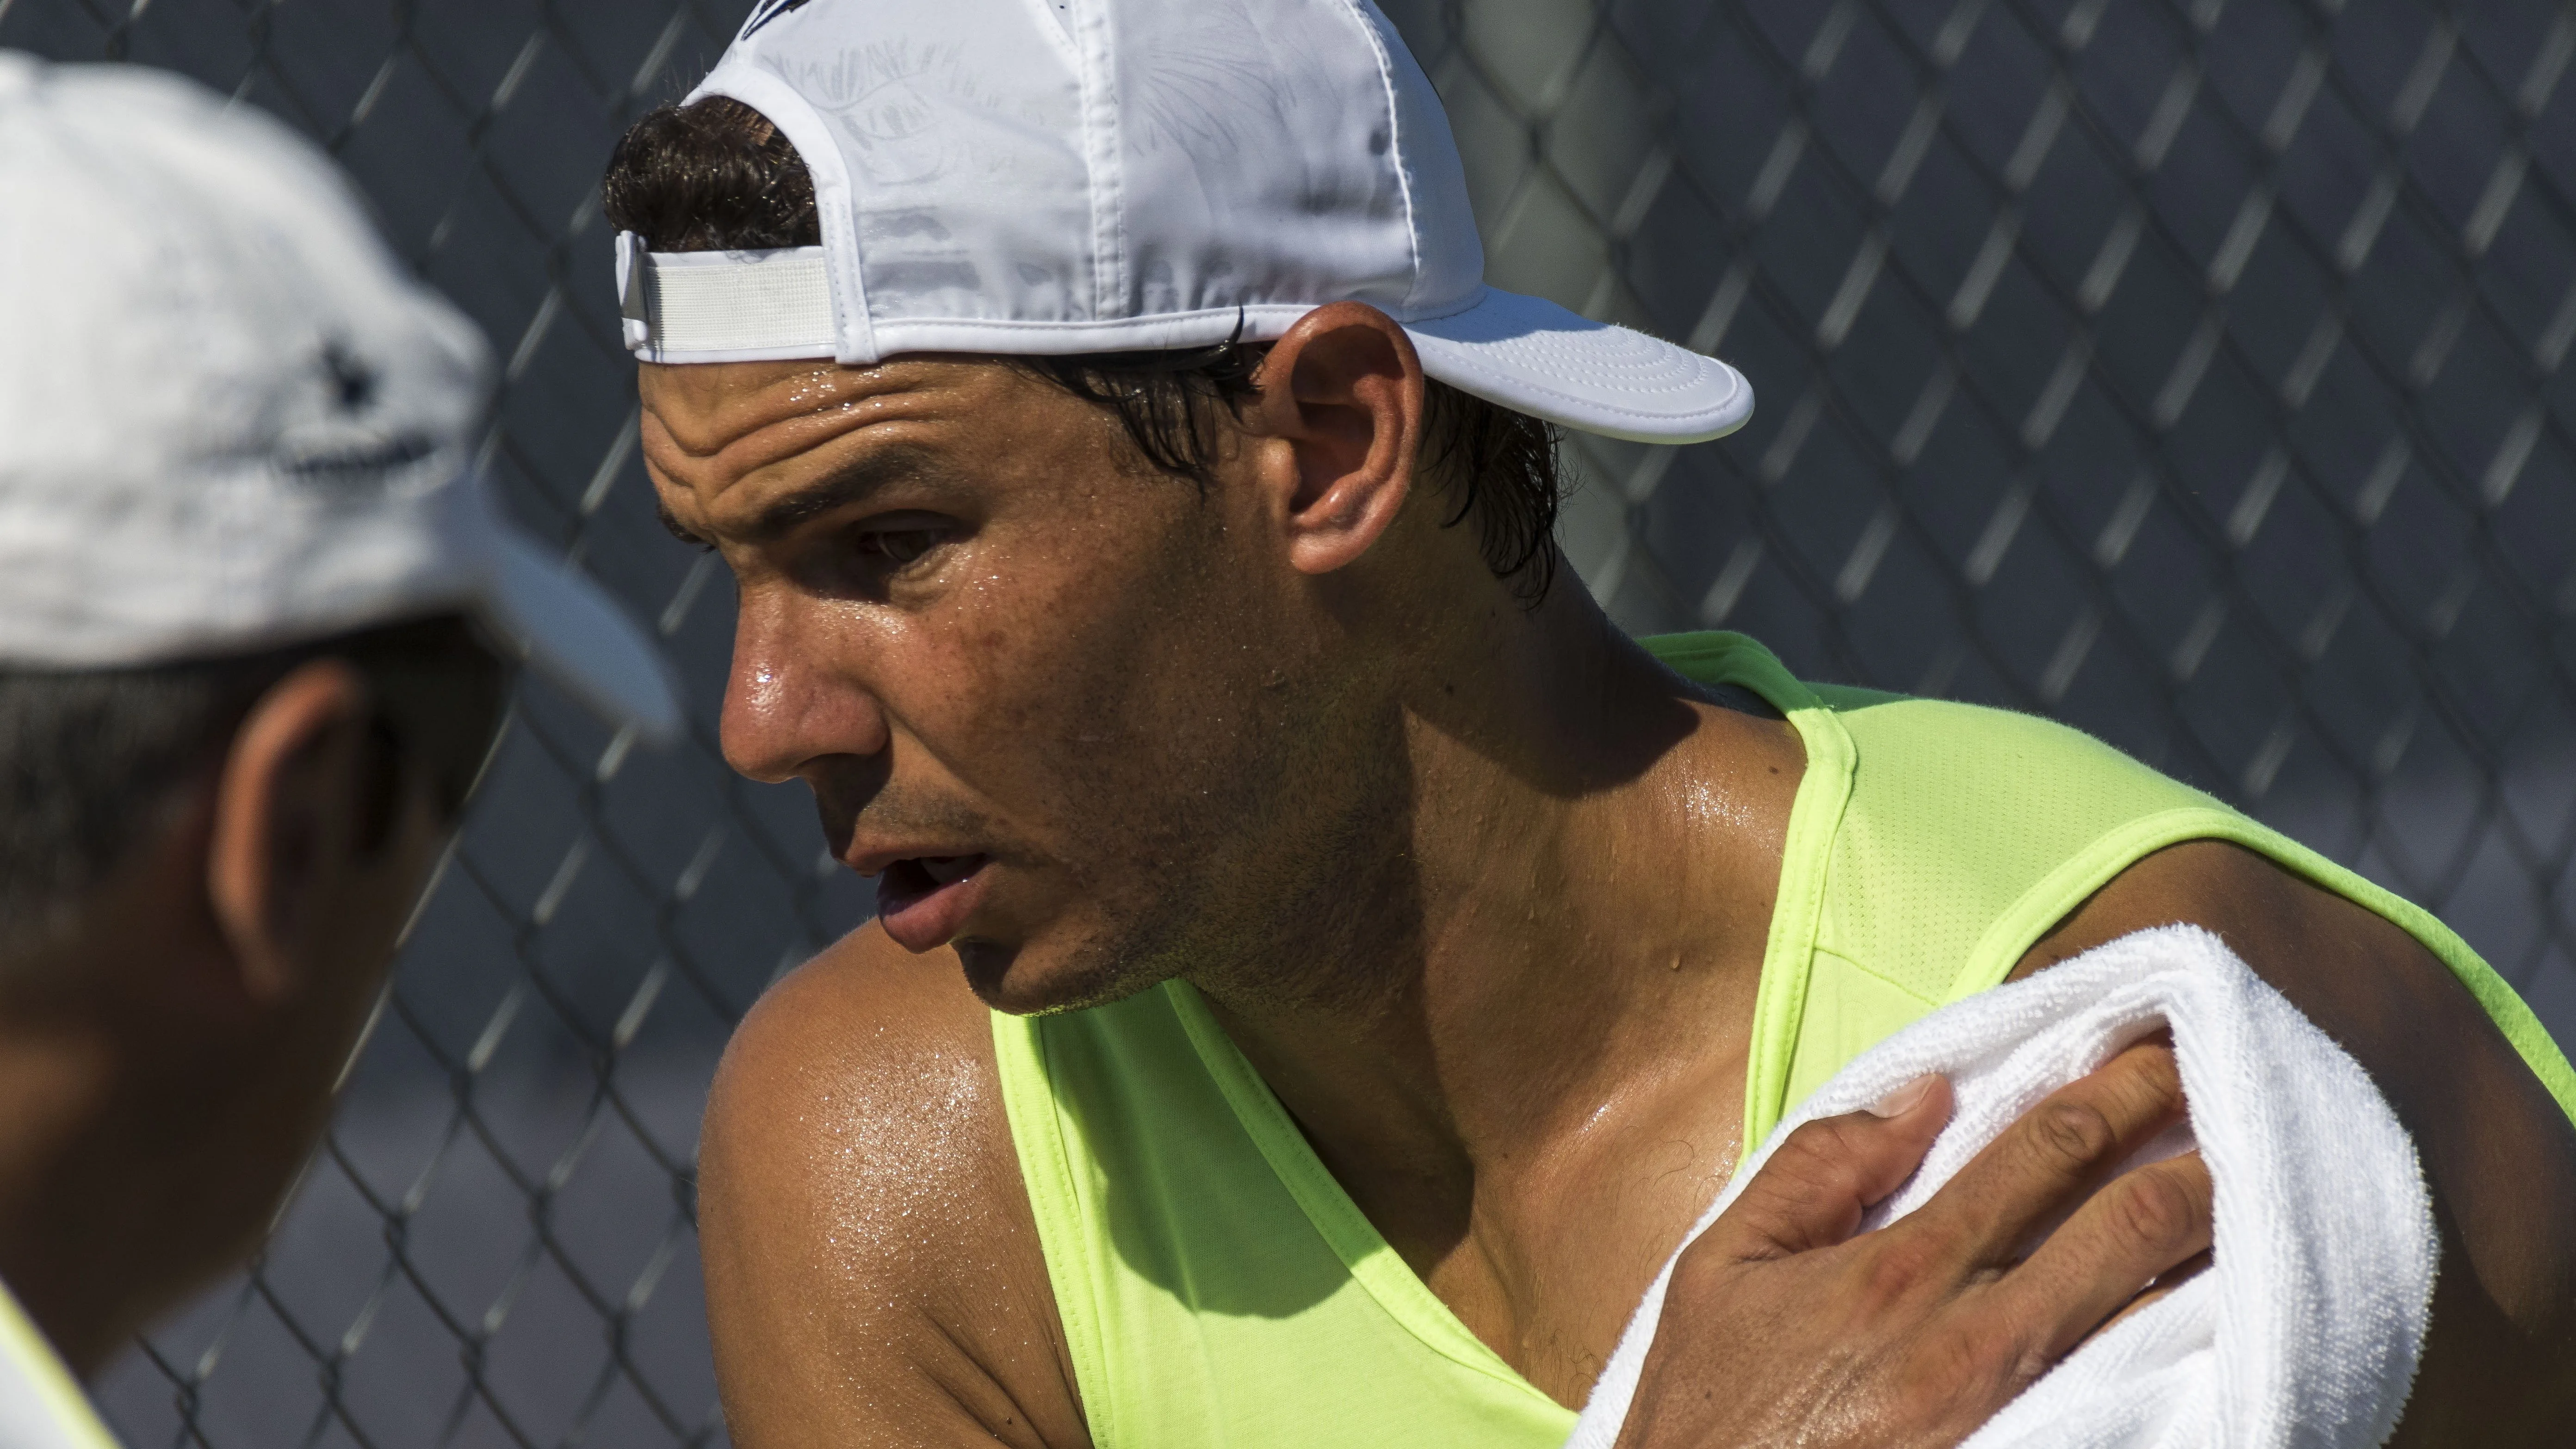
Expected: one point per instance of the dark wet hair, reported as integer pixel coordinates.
(717, 176)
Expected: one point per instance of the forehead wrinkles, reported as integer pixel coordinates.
(707, 427)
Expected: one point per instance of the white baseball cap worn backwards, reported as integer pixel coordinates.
(230, 421)
(1069, 176)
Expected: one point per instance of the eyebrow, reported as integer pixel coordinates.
(852, 482)
(672, 526)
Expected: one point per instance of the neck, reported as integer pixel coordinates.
(62, 1193)
(1593, 848)
(121, 1163)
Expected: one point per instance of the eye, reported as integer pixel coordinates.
(901, 546)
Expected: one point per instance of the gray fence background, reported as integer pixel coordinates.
(2190, 370)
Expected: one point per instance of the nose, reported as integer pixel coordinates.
(790, 700)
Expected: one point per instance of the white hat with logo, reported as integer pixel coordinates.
(1069, 176)
(230, 420)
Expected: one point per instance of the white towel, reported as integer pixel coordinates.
(2305, 1329)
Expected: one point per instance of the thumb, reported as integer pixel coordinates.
(1813, 1190)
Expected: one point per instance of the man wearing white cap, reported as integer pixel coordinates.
(247, 583)
(1372, 961)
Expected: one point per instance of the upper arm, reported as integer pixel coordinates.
(873, 1271)
(2498, 1154)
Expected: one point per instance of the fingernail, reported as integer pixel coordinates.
(1904, 1099)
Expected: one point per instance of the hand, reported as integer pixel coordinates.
(1782, 1328)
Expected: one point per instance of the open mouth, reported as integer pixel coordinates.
(924, 900)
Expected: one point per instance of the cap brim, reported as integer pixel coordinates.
(579, 638)
(1535, 356)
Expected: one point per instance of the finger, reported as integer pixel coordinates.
(2141, 1228)
(2166, 1282)
(2055, 1154)
(1813, 1190)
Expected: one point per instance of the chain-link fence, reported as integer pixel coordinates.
(2187, 369)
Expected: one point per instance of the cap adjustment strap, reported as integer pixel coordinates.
(708, 306)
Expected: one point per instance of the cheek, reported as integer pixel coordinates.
(1024, 673)
(1097, 689)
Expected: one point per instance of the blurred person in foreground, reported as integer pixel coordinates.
(255, 608)
(1354, 963)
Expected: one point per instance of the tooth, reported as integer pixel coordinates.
(943, 869)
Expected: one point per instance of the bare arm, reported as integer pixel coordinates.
(2499, 1363)
(873, 1272)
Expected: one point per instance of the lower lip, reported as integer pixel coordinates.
(925, 919)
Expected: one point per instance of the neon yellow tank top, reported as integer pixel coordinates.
(1217, 1286)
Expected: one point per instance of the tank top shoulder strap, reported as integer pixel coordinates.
(1970, 832)
(1963, 835)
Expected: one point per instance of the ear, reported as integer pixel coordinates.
(295, 805)
(1341, 395)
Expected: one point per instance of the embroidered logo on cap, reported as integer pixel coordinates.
(353, 378)
(769, 10)
(372, 458)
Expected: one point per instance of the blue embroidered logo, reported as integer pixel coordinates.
(767, 11)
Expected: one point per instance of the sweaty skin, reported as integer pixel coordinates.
(1482, 891)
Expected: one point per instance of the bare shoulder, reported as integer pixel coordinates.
(2278, 922)
(873, 1271)
(2361, 978)
(2500, 1366)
